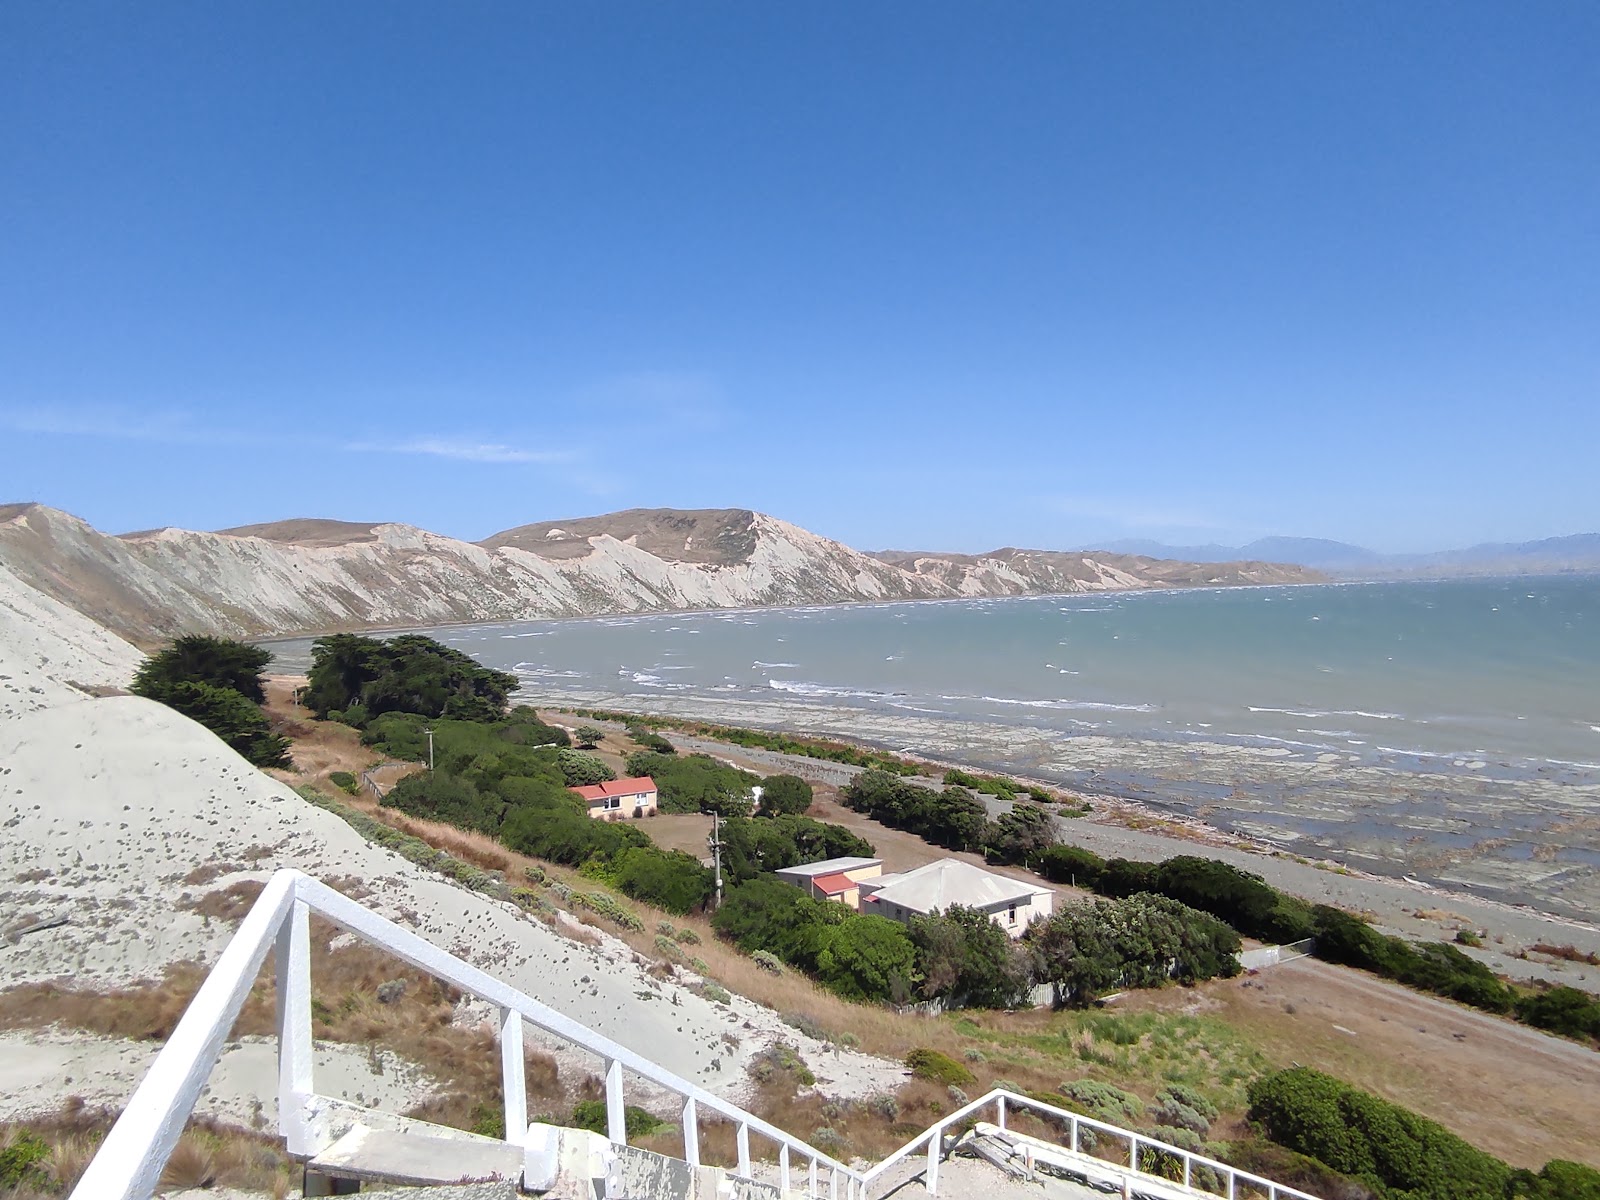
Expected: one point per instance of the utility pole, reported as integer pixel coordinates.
(429, 732)
(716, 856)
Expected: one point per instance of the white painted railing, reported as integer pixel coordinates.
(1198, 1172)
(129, 1163)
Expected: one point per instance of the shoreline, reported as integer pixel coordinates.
(1397, 905)
(1146, 828)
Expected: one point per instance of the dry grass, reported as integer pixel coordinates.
(1566, 953)
(207, 1155)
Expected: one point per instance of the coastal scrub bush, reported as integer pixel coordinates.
(1073, 865)
(938, 1067)
(1559, 1180)
(1103, 1101)
(696, 783)
(606, 906)
(952, 818)
(784, 794)
(22, 1161)
(966, 959)
(648, 740)
(1564, 1010)
(591, 1115)
(588, 736)
(580, 769)
(668, 879)
(868, 958)
(345, 782)
(753, 847)
(1388, 1147)
(1086, 950)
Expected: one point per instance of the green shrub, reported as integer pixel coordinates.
(687, 937)
(938, 1067)
(1562, 1010)
(715, 993)
(1559, 1180)
(591, 1115)
(345, 782)
(22, 1162)
(781, 1061)
(606, 906)
(767, 962)
(1356, 1133)
(1103, 1101)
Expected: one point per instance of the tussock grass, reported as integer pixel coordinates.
(208, 1155)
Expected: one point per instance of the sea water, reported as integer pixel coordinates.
(1399, 720)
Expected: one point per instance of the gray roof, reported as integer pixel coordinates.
(948, 881)
(829, 866)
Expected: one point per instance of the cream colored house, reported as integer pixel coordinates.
(621, 799)
(834, 878)
(1012, 904)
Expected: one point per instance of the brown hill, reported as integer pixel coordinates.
(306, 531)
(709, 536)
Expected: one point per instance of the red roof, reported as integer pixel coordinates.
(833, 884)
(617, 787)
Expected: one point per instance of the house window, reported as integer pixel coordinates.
(1013, 914)
(613, 801)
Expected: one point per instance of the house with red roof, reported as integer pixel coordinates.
(833, 878)
(620, 799)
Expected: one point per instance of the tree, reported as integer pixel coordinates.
(219, 662)
(964, 957)
(695, 783)
(409, 673)
(580, 768)
(234, 719)
(784, 794)
(668, 879)
(588, 736)
(869, 958)
(1020, 836)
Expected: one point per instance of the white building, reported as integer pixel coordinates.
(1010, 903)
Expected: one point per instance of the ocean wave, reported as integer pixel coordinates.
(1331, 712)
(1068, 705)
(759, 663)
(801, 688)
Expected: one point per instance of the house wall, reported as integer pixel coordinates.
(646, 801)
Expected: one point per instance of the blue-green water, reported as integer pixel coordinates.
(1447, 729)
(1503, 670)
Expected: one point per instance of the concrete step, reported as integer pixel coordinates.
(455, 1191)
(387, 1156)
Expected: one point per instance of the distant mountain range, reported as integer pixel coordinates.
(314, 575)
(1579, 552)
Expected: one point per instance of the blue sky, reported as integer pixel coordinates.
(933, 275)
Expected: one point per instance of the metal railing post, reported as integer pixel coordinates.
(513, 1073)
(1133, 1151)
(811, 1185)
(691, 1133)
(292, 971)
(616, 1113)
(1000, 1111)
(935, 1149)
(743, 1138)
(1231, 1178)
(783, 1168)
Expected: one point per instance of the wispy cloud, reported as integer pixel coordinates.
(464, 450)
(117, 425)
(178, 428)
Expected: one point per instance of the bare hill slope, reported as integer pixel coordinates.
(314, 575)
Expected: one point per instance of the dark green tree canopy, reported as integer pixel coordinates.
(235, 720)
(220, 662)
(784, 794)
(217, 682)
(409, 674)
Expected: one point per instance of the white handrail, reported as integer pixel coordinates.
(129, 1163)
(1139, 1143)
